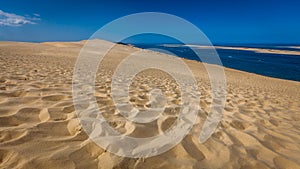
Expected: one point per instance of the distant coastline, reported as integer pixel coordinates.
(277, 61)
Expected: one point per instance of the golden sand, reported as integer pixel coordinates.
(260, 127)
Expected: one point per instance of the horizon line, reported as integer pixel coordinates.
(160, 43)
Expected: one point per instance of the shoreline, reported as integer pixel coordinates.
(82, 42)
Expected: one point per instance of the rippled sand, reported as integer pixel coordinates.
(260, 127)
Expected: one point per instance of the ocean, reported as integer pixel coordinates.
(281, 66)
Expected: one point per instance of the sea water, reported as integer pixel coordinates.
(281, 66)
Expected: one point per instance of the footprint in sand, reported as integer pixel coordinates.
(23, 116)
(17, 93)
(56, 114)
(192, 149)
(239, 125)
(53, 98)
(59, 129)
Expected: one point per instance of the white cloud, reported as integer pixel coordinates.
(10, 19)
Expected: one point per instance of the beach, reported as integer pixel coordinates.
(260, 126)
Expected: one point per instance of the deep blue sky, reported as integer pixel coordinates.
(223, 21)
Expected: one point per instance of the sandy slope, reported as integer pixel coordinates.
(38, 126)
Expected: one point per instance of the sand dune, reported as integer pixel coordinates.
(260, 127)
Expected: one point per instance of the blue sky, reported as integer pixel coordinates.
(231, 21)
